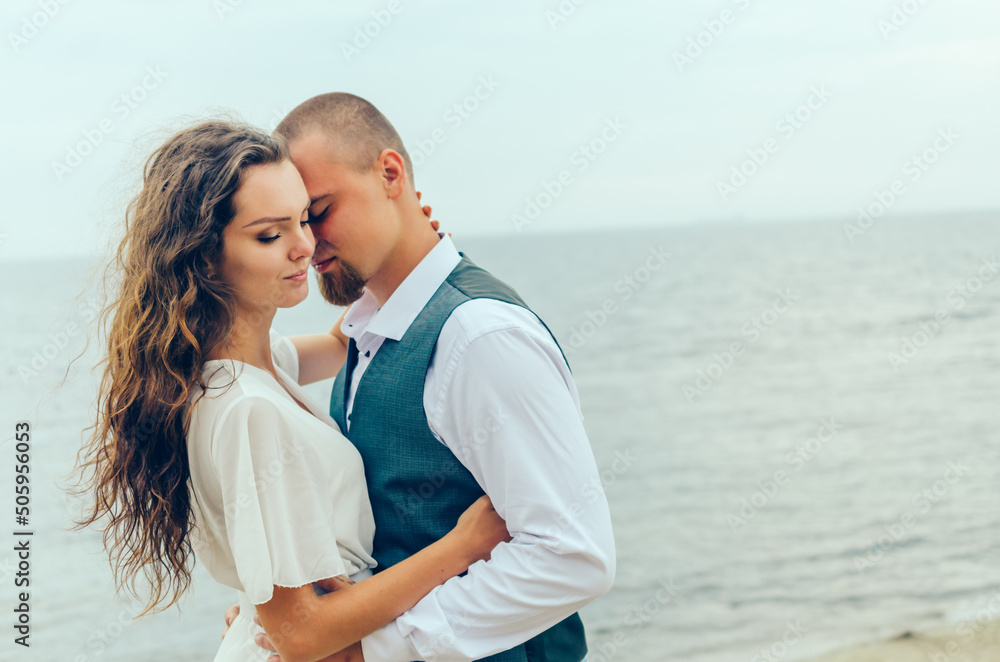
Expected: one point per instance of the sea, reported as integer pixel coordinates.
(796, 425)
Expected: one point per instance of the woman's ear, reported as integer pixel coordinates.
(211, 273)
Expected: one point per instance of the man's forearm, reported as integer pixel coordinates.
(524, 589)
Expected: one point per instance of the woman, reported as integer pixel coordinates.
(205, 443)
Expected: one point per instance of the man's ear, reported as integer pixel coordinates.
(394, 174)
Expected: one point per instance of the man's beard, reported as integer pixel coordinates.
(342, 289)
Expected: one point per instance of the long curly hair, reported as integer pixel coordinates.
(172, 310)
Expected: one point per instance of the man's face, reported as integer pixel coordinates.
(354, 229)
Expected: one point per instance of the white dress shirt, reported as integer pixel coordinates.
(499, 394)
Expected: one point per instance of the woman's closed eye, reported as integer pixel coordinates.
(268, 240)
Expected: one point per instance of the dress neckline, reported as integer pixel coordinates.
(285, 383)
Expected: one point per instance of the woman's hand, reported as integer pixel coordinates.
(426, 208)
(480, 529)
(427, 212)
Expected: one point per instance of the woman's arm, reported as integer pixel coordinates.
(321, 354)
(305, 627)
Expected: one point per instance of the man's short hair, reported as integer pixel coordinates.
(356, 128)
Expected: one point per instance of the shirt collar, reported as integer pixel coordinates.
(395, 316)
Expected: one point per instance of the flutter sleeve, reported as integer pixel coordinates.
(279, 519)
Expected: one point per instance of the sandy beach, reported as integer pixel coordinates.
(970, 641)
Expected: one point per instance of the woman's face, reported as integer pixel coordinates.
(268, 245)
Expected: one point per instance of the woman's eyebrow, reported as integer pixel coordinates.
(268, 219)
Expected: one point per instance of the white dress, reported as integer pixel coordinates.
(279, 493)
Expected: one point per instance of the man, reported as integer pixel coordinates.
(452, 387)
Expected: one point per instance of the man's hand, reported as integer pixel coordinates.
(350, 654)
(231, 615)
(332, 584)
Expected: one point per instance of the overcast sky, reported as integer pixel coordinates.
(832, 101)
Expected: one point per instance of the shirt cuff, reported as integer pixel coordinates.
(389, 645)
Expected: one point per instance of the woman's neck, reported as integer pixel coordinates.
(250, 340)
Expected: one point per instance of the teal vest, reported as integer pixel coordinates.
(417, 486)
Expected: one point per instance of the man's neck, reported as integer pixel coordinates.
(409, 252)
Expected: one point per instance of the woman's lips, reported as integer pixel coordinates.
(299, 277)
